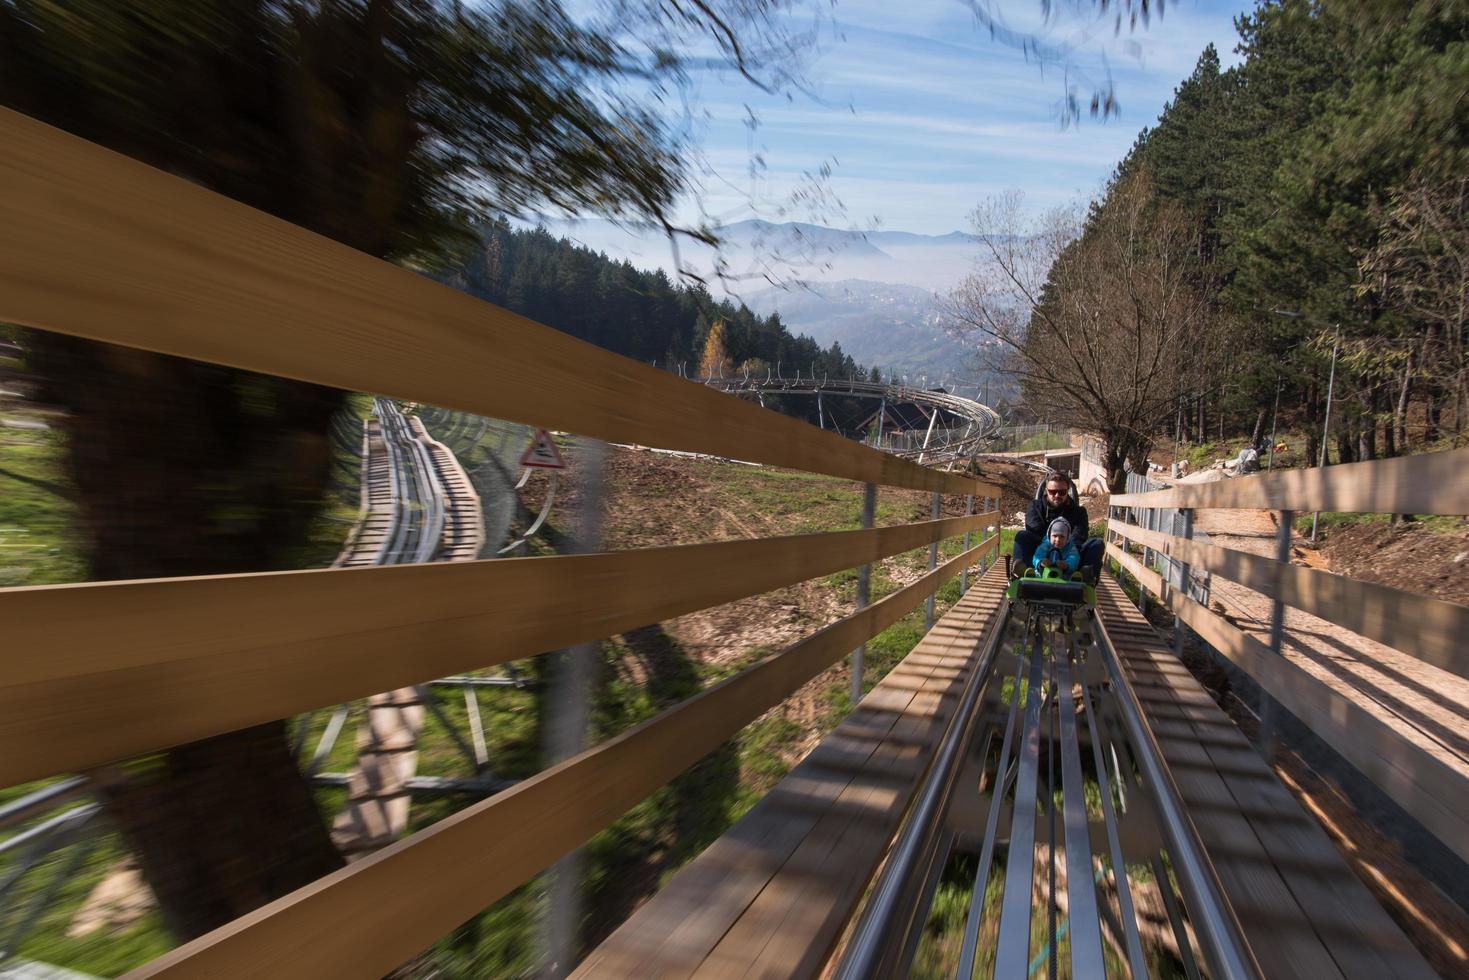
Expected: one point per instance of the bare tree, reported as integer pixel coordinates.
(1420, 268)
(1105, 322)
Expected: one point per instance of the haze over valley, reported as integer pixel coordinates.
(877, 293)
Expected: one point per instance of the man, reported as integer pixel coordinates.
(1054, 500)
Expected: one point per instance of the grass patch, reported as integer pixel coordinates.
(1331, 520)
(820, 503)
(326, 535)
(37, 543)
(1043, 441)
(502, 941)
(329, 529)
(1203, 455)
(73, 871)
(761, 745)
(1334, 520)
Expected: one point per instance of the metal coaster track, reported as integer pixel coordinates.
(1042, 715)
(418, 506)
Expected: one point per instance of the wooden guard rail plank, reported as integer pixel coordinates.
(109, 670)
(1433, 483)
(370, 917)
(772, 895)
(1432, 793)
(1304, 912)
(174, 268)
(1149, 578)
(1430, 629)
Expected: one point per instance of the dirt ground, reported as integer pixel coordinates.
(1017, 486)
(655, 499)
(1432, 561)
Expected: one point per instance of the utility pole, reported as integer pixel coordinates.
(1330, 388)
(1274, 416)
(1177, 436)
(1326, 422)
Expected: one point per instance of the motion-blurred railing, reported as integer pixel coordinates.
(104, 671)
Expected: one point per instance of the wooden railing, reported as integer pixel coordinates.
(1429, 629)
(99, 672)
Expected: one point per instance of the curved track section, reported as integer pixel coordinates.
(464, 527)
(418, 504)
(979, 422)
(488, 451)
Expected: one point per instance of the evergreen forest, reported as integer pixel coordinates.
(647, 317)
(1325, 179)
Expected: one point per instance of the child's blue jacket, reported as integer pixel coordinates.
(1069, 555)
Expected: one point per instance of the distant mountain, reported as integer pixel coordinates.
(910, 238)
(793, 236)
(894, 327)
(764, 251)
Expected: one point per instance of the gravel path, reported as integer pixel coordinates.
(1427, 705)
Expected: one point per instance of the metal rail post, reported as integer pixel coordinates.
(864, 584)
(1186, 515)
(984, 535)
(1146, 522)
(1282, 555)
(1142, 592)
(994, 532)
(566, 730)
(929, 434)
(1277, 631)
(964, 572)
(991, 504)
(933, 562)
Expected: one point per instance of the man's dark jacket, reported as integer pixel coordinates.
(1039, 516)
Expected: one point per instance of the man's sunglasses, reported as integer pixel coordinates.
(1056, 493)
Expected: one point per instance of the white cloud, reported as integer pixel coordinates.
(927, 116)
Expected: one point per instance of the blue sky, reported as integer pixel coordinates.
(924, 116)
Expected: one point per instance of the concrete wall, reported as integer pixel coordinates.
(1066, 461)
(1092, 478)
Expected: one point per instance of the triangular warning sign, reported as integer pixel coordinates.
(542, 453)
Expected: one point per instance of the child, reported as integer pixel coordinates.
(1057, 550)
